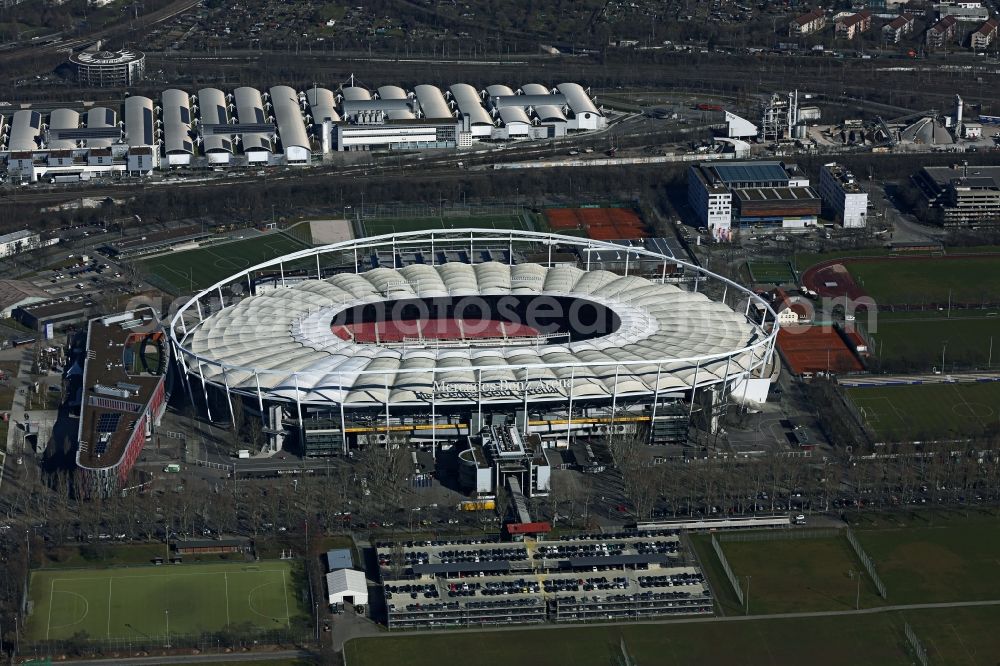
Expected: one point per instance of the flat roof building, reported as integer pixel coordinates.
(843, 197)
(963, 195)
(19, 241)
(124, 394)
(768, 193)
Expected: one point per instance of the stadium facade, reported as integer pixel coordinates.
(438, 335)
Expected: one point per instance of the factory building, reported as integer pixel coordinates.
(842, 196)
(760, 195)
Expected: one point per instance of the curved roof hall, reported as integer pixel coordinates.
(578, 99)
(213, 111)
(139, 121)
(509, 114)
(355, 93)
(101, 117)
(25, 131)
(291, 126)
(63, 119)
(176, 117)
(545, 112)
(432, 103)
(322, 105)
(469, 103)
(250, 111)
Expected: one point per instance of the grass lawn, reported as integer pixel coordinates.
(934, 558)
(918, 341)
(800, 575)
(839, 640)
(180, 272)
(808, 259)
(124, 602)
(971, 280)
(377, 227)
(102, 555)
(771, 272)
(929, 411)
(958, 636)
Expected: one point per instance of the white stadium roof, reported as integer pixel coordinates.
(281, 344)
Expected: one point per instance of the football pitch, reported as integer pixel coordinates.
(138, 602)
(916, 342)
(389, 225)
(772, 272)
(928, 412)
(191, 270)
(895, 281)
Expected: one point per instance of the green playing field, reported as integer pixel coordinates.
(182, 272)
(929, 411)
(140, 601)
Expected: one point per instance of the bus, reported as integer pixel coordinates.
(172, 468)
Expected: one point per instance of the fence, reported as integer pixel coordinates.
(918, 649)
(866, 562)
(725, 567)
(781, 535)
(227, 641)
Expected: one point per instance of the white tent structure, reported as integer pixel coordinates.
(347, 585)
(739, 128)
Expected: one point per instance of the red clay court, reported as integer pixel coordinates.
(816, 349)
(598, 223)
(432, 329)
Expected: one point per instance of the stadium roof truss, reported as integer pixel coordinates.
(278, 345)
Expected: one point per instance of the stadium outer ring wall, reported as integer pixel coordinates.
(192, 364)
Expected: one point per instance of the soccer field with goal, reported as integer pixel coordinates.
(140, 602)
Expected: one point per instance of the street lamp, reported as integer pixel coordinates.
(167, 614)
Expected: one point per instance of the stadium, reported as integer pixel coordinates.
(439, 335)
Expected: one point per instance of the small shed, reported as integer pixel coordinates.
(347, 586)
(339, 558)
